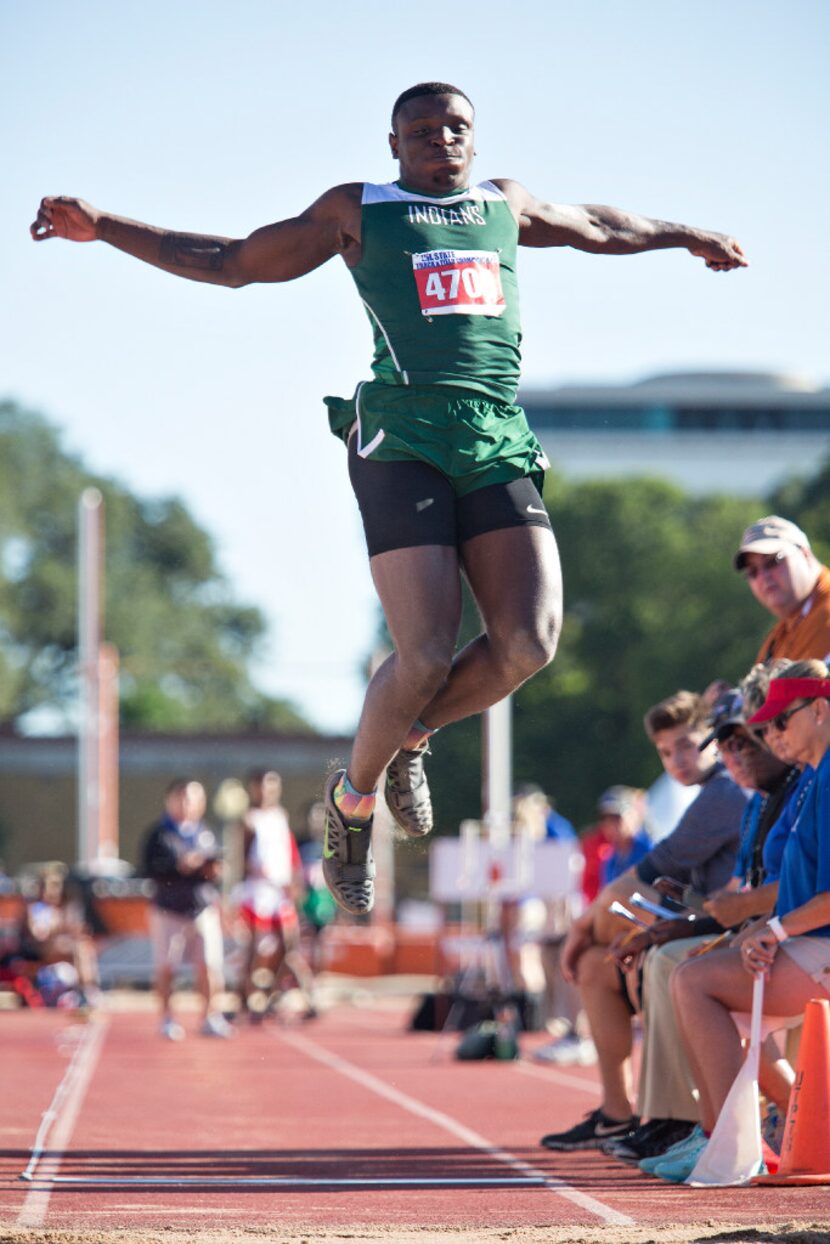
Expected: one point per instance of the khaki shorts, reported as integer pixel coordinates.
(812, 955)
(178, 939)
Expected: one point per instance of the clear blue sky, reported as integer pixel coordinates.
(219, 118)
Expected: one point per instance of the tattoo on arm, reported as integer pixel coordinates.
(180, 251)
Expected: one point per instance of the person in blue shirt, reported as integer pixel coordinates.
(791, 948)
(621, 814)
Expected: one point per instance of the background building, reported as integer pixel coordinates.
(38, 783)
(734, 432)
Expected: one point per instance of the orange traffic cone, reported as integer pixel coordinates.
(805, 1151)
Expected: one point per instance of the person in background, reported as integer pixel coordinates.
(666, 1098)
(268, 896)
(786, 577)
(55, 949)
(319, 908)
(700, 855)
(181, 858)
(792, 947)
(620, 819)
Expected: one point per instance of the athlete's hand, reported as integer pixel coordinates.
(720, 252)
(64, 217)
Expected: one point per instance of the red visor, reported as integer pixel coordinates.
(782, 692)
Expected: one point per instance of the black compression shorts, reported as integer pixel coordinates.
(406, 504)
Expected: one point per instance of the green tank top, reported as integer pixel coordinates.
(437, 277)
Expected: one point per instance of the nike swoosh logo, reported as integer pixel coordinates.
(422, 505)
(602, 1129)
(531, 509)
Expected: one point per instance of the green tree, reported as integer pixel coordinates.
(806, 501)
(185, 644)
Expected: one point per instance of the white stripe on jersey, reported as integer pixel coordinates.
(390, 192)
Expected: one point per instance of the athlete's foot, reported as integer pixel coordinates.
(407, 792)
(348, 865)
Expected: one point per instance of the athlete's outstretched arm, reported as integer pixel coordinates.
(610, 231)
(278, 252)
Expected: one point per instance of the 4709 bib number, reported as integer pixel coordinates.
(458, 282)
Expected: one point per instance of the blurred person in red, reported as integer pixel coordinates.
(268, 897)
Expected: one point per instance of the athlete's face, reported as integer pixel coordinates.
(433, 140)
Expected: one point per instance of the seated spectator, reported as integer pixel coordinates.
(666, 1100)
(54, 946)
(700, 855)
(619, 828)
(621, 816)
(786, 577)
(792, 948)
(535, 819)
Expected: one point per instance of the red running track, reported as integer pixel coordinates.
(267, 1129)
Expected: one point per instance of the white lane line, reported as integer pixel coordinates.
(58, 1123)
(368, 1081)
(291, 1181)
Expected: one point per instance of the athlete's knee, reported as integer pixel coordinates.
(425, 670)
(592, 969)
(528, 649)
(683, 984)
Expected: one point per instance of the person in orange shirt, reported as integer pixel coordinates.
(787, 578)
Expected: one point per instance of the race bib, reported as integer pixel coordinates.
(458, 282)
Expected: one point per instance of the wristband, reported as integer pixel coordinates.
(778, 929)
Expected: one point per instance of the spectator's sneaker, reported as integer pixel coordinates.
(407, 792)
(649, 1165)
(216, 1025)
(772, 1127)
(677, 1167)
(649, 1140)
(348, 865)
(570, 1050)
(595, 1128)
(171, 1030)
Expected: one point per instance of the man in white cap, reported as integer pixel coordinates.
(788, 579)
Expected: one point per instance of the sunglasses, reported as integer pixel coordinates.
(780, 723)
(769, 563)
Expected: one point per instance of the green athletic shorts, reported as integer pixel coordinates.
(472, 440)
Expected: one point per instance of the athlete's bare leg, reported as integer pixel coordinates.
(515, 577)
(420, 592)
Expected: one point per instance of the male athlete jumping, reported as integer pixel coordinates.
(446, 471)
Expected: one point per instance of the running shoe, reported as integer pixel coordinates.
(650, 1140)
(407, 792)
(171, 1030)
(649, 1165)
(772, 1127)
(570, 1050)
(594, 1129)
(348, 864)
(676, 1167)
(216, 1025)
